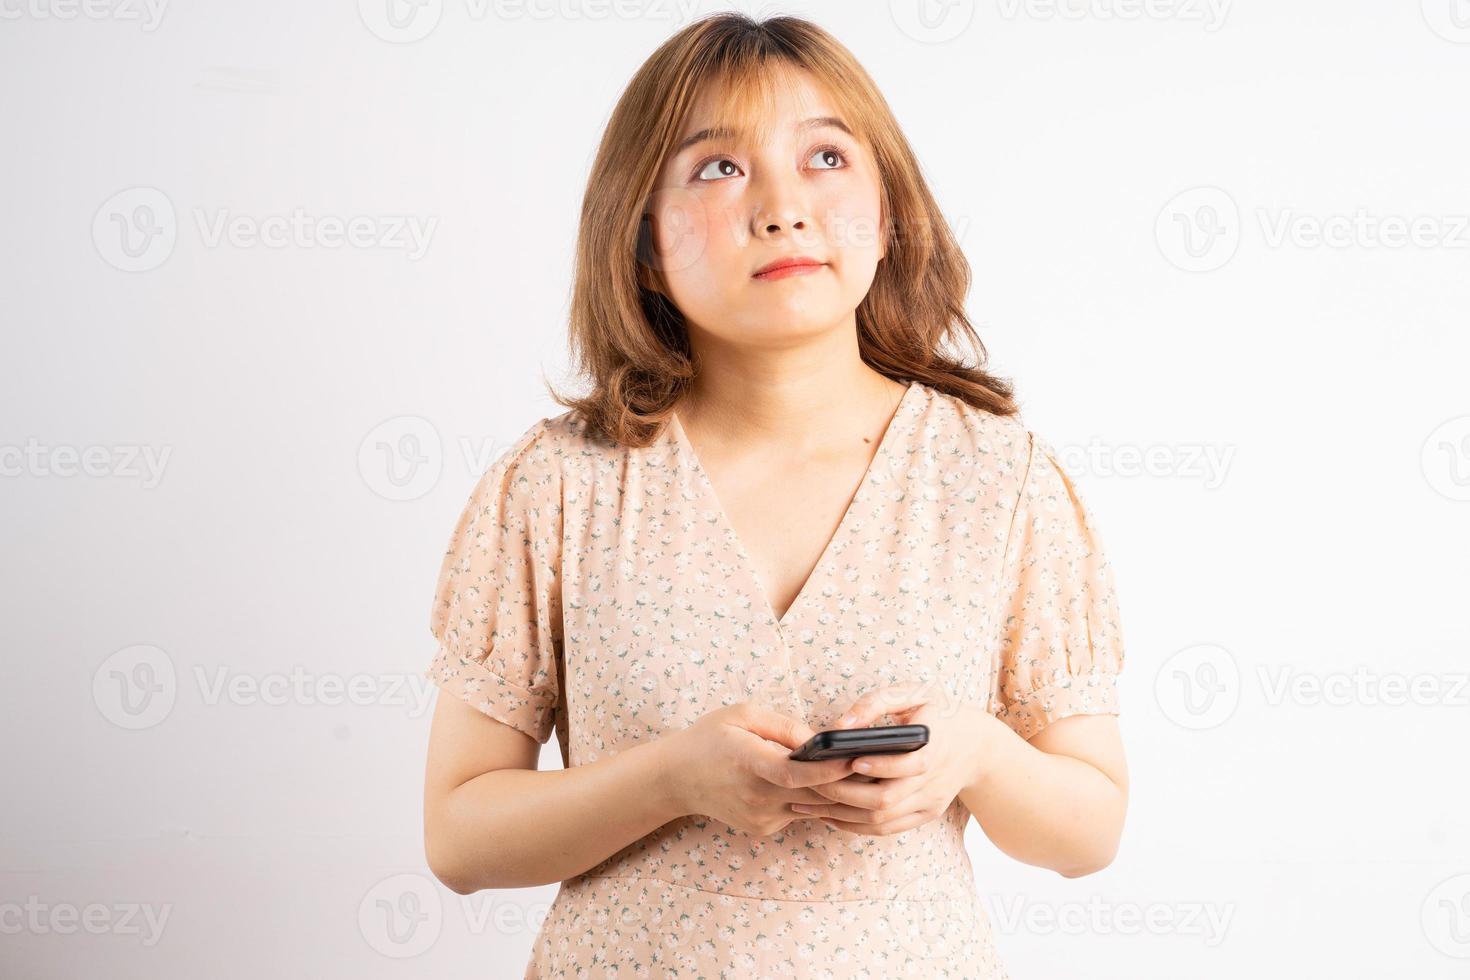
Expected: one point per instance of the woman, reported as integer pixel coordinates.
(781, 508)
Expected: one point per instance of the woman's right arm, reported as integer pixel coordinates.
(492, 820)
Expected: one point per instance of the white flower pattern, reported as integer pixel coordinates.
(597, 591)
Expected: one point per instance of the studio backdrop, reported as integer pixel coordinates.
(280, 281)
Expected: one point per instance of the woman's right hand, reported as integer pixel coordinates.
(732, 765)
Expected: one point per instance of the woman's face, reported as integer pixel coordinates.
(723, 209)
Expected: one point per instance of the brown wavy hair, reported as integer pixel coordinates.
(631, 342)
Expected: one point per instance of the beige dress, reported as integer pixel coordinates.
(600, 592)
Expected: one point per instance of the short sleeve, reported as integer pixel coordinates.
(1060, 648)
(497, 607)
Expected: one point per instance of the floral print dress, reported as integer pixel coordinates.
(598, 591)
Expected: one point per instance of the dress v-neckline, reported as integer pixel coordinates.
(781, 622)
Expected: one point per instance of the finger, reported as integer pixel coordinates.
(774, 766)
(896, 826)
(894, 764)
(838, 811)
(801, 795)
(788, 731)
(872, 796)
(893, 699)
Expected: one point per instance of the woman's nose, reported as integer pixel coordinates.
(782, 210)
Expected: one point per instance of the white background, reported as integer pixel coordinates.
(1121, 177)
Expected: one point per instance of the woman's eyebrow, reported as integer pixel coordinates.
(815, 122)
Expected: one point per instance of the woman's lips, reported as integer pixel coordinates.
(787, 271)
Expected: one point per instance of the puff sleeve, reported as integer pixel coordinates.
(497, 607)
(1060, 647)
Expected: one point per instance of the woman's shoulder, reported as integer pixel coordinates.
(1002, 444)
(555, 448)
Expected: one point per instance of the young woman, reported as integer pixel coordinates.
(782, 507)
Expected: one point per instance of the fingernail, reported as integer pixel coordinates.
(845, 721)
(863, 766)
(801, 808)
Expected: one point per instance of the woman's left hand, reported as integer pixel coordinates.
(912, 788)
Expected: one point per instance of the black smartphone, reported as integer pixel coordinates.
(844, 743)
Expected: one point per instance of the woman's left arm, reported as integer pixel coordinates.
(1056, 801)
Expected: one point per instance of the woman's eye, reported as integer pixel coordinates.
(828, 153)
(727, 168)
(720, 167)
